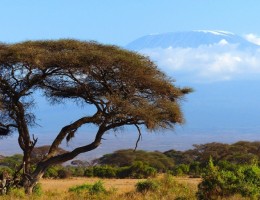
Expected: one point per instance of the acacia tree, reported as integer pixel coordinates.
(124, 87)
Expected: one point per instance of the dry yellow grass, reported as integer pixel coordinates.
(190, 181)
(57, 189)
(62, 185)
(122, 185)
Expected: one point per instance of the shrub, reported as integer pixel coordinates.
(217, 184)
(16, 193)
(51, 172)
(63, 173)
(164, 188)
(195, 169)
(123, 172)
(80, 188)
(147, 185)
(250, 184)
(136, 170)
(245, 180)
(225, 165)
(89, 172)
(96, 188)
(12, 161)
(104, 171)
(6, 170)
(37, 190)
(141, 170)
(181, 169)
(78, 171)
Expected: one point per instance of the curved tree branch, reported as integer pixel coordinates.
(70, 129)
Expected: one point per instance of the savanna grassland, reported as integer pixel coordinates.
(167, 187)
(163, 187)
(207, 172)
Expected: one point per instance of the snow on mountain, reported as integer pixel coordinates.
(189, 39)
(224, 70)
(202, 55)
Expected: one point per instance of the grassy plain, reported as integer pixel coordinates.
(63, 185)
(119, 189)
(123, 188)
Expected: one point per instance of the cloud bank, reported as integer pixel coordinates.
(208, 63)
(253, 38)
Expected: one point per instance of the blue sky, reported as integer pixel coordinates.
(120, 21)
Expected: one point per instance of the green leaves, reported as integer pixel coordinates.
(225, 182)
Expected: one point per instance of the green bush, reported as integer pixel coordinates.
(75, 171)
(244, 180)
(225, 165)
(252, 174)
(123, 172)
(250, 184)
(218, 184)
(16, 193)
(136, 170)
(6, 170)
(80, 188)
(89, 172)
(12, 161)
(37, 189)
(96, 188)
(195, 169)
(147, 185)
(164, 188)
(78, 171)
(181, 169)
(141, 170)
(51, 172)
(64, 173)
(105, 171)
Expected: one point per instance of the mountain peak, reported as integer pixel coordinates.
(189, 39)
(216, 32)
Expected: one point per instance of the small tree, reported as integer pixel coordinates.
(125, 88)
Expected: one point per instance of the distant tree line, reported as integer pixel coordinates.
(226, 169)
(141, 164)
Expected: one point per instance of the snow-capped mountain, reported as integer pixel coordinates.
(191, 39)
(202, 55)
(224, 70)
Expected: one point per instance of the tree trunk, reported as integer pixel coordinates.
(29, 182)
(28, 190)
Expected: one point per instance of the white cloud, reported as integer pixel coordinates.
(253, 38)
(223, 42)
(217, 62)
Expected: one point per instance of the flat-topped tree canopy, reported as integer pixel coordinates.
(125, 87)
(116, 81)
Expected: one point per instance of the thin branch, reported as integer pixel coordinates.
(34, 142)
(139, 136)
(17, 170)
